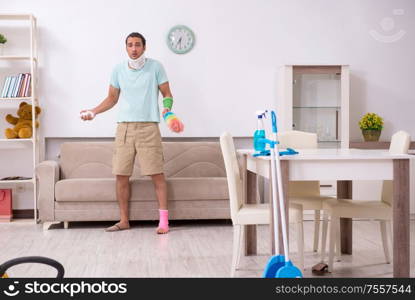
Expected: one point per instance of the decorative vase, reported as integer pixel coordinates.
(1, 49)
(371, 135)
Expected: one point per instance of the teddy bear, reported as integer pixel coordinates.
(23, 123)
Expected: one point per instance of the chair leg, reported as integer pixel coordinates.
(334, 223)
(384, 233)
(241, 245)
(324, 235)
(316, 229)
(300, 244)
(390, 233)
(338, 243)
(236, 248)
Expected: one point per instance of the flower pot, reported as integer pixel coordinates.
(371, 135)
(1, 49)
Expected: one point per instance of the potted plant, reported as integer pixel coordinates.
(371, 125)
(3, 40)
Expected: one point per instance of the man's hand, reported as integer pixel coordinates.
(87, 115)
(165, 110)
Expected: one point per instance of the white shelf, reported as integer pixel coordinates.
(16, 57)
(17, 99)
(16, 181)
(17, 17)
(15, 140)
(27, 56)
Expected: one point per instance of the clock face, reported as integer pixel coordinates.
(180, 39)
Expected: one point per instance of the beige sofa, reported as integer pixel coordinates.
(81, 187)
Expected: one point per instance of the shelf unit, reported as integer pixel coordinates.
(29, 22)
(315, 98)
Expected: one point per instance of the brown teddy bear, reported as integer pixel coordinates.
(23, 124)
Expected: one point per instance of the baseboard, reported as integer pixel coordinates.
(23, 214)
(29, 214)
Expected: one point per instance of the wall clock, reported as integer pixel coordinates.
(180, 39)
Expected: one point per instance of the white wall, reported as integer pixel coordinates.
(232, 70)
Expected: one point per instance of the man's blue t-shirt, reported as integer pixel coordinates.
(139, 90)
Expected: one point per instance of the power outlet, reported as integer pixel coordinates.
(20, 188)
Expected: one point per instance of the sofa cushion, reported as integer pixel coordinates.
(181, 159)
(103, 189)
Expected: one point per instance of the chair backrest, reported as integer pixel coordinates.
(300, 140)
(297, 139)
(233, 175)
(399, 145)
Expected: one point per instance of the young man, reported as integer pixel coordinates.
(135, 84)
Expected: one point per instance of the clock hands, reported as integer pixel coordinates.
(179, 42)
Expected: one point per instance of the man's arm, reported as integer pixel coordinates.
(106, 104)
(165, 91)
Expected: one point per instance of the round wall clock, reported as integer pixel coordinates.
(180, 39)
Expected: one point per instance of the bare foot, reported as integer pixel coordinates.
(118, 227)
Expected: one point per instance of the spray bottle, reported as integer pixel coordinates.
(259, 135)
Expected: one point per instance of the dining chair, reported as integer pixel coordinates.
(306, 193)
(367, 209)
(243, 214)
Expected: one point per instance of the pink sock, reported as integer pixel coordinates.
(164, 219)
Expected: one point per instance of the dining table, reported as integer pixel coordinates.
(342, 165)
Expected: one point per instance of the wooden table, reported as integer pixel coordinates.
(343, 166)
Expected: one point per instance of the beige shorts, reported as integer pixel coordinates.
(141, 139)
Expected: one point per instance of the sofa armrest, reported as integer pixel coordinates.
(47, 172)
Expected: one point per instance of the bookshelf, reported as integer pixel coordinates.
(27, 60)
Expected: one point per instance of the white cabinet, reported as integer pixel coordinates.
(315, 99)
(19, 56)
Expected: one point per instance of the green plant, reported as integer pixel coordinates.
(3, 39)
(371, 121)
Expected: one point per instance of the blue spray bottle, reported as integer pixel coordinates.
(259, 134)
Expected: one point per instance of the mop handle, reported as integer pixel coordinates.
(274, 187)
(274, 201)
(280, 190)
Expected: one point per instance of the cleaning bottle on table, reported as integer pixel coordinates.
(259, 134)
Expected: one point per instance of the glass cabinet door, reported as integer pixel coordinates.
(317, 103)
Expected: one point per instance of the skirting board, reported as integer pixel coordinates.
(28, 214)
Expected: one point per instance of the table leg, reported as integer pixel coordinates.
(344, 190)
(401, 235)
(250, 230)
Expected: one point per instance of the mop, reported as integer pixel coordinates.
(279, 266)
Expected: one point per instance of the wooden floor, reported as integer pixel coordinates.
(191, 249)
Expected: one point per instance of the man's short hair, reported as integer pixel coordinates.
(137, 35)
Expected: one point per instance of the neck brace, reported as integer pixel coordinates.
(138, 63)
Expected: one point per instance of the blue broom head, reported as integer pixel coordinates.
(274, 264)
(289, 271)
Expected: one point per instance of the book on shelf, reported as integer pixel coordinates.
(5, 86)
(16, 86)
(27, 91)
(10, 89)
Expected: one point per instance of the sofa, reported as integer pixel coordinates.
(80, 185)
